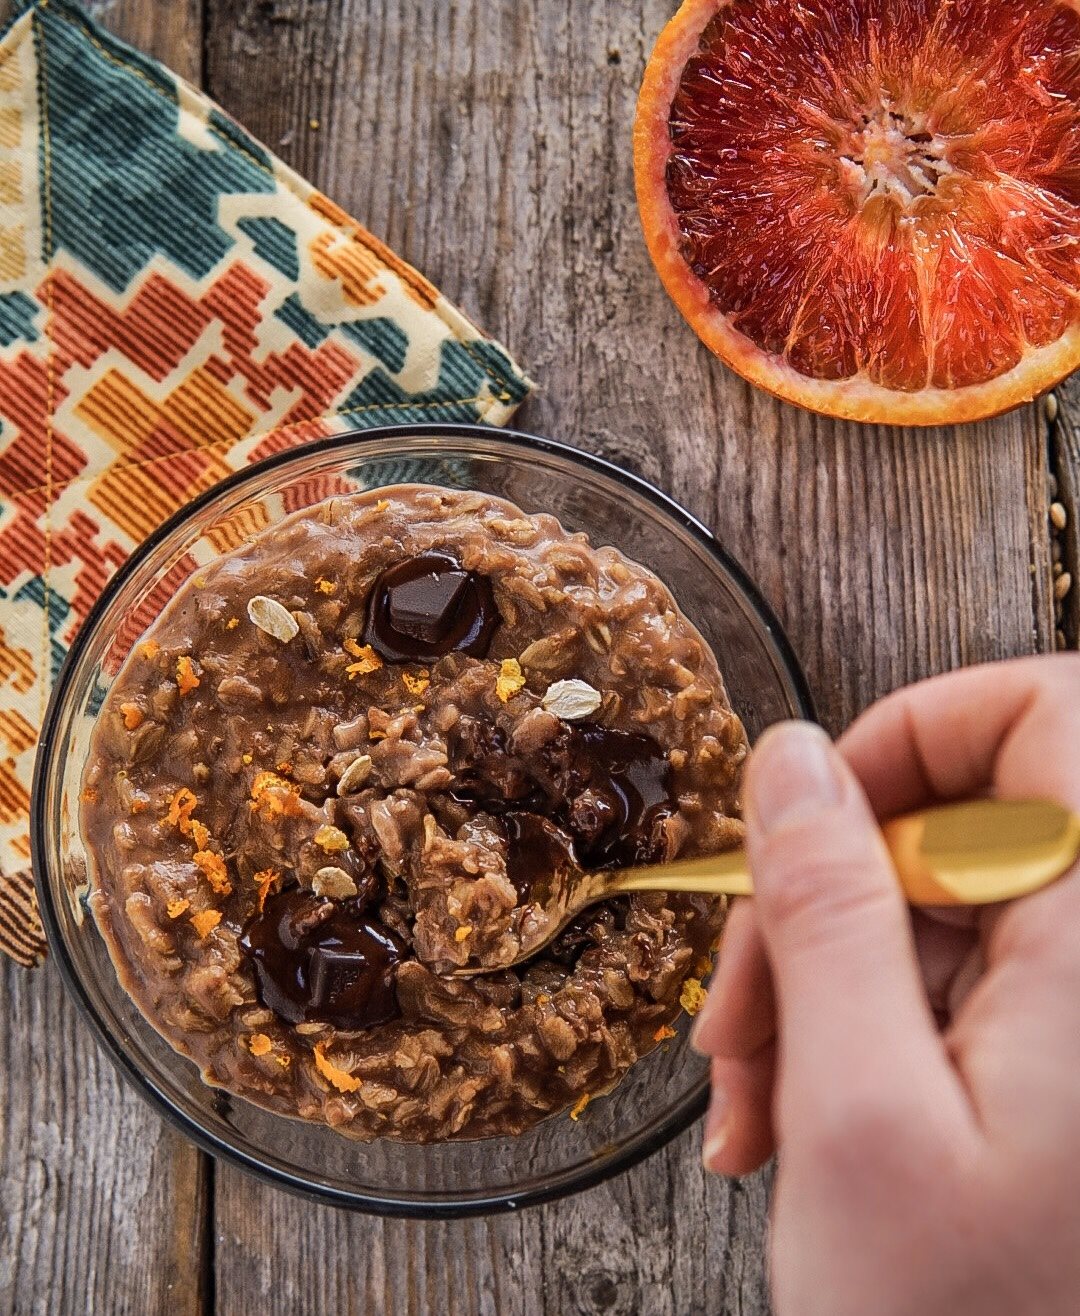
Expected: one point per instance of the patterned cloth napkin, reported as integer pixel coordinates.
(174, 303)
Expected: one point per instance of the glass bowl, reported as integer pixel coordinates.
(665, 1091)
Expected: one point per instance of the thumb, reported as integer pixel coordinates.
(855, 1026)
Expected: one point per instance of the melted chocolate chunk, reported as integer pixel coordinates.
(428, 606)
(584, 932)
(487, 775)
(536, 850)
(617, 790)
(316, 961)
(610, 790)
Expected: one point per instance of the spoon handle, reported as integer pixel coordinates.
(714, 875)
(976, 852)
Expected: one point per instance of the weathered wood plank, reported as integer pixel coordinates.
(171, 32)
(489, 143)
(900, 554)
(104, 1208)
(478, 106)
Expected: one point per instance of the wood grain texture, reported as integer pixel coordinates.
(170, 30)
(489, 144)
(488, 141)
(103, 1209)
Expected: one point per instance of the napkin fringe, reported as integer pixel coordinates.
(21, 933)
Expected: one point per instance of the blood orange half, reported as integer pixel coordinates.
(871, 207)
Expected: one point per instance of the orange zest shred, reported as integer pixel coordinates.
(692, 996)
(212, 864)
(663, 1033)
(232, 623)
(139, 805)
(186, 678)
(248, 759)
(464, 931)
(259, 1044)
(416, 685)
(285, 769)
(283, 1060)
(213, 867)
(382, 504)
(267, 780)
(367, 660)
(340, 1078)
(376, 735)
(149, 649)
(205, 922)
(264, 880)
(180, 810)
(579, 1106)
(89, 796)
(325, 586)
(510, 680)
(176, 907)
(273, 796)
(133, 716)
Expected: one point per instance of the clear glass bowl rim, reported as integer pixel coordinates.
(516, 442)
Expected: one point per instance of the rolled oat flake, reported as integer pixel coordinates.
(355, 775)
(333, 882)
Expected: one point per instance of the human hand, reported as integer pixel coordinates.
(920, 1076)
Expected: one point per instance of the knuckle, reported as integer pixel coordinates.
(856, 1129)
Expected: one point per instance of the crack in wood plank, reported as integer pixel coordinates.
(1065, 466)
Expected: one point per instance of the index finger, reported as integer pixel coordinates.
(1012, 726)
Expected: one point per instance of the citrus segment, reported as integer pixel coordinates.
(871, 207)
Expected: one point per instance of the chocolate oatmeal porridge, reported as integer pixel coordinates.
(335, 770)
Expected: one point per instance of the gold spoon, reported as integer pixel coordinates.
(975, 853)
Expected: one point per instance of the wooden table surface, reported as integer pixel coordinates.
(488, 141)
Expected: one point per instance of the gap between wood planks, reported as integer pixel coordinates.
(1062, 412)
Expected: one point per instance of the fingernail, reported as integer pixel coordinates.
(794, 777)
(716, 1127)
(695, 1031)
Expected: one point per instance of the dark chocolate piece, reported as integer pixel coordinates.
(428, 606)
(422, 608)
(486, 773)
(316, 961)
